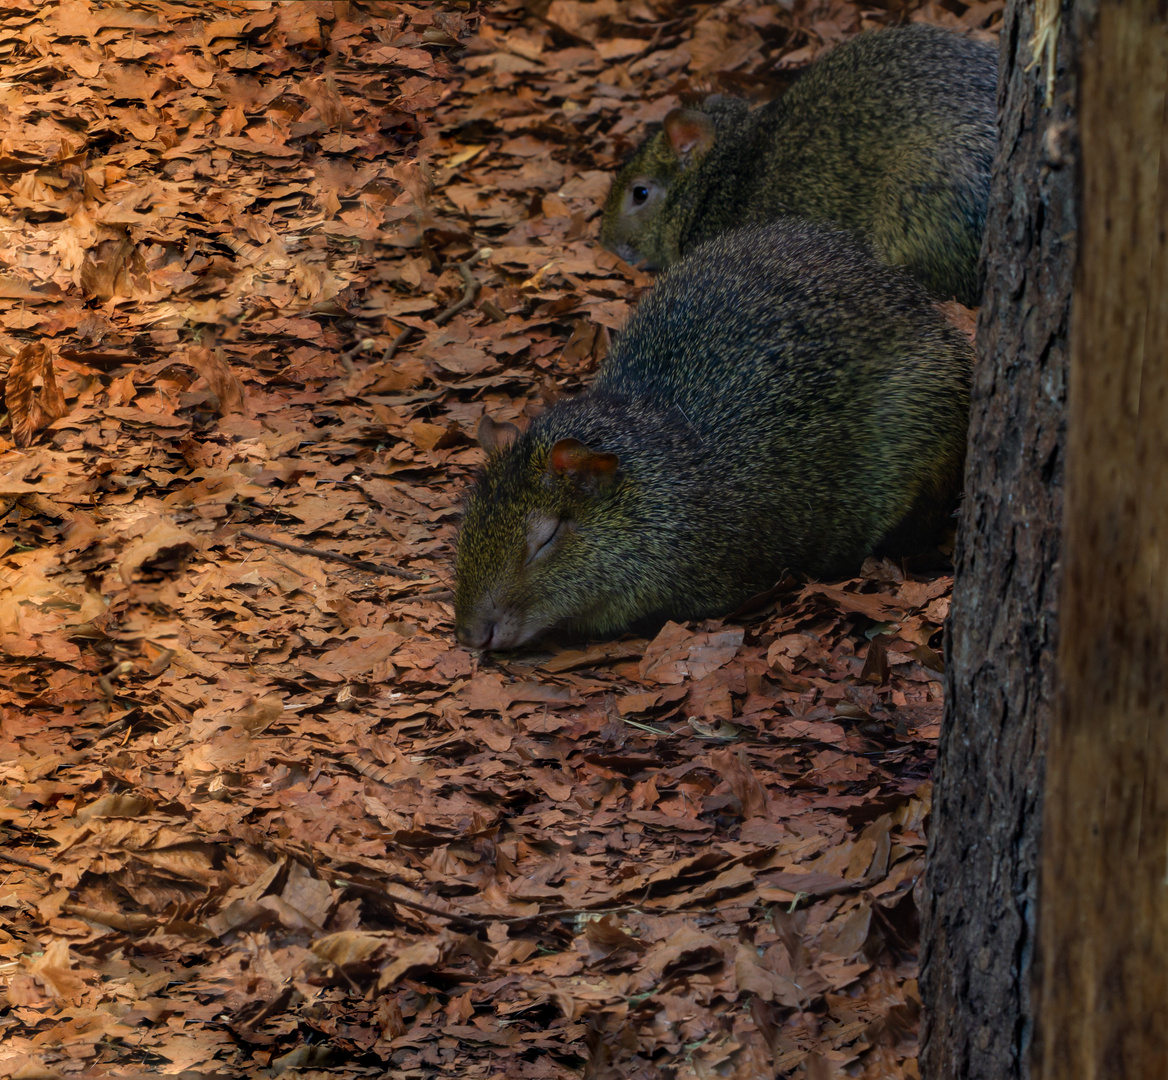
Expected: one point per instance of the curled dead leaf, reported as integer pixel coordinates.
(33, 398)
(608, 934)
(164, 539)
(55, 971)
(114, 806)
(419, 957)
(753, 978)
(115, 268)
(228, 390)
(351, 946)
(747, 787)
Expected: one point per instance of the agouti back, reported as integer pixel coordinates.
(891, 135)
(779, 401)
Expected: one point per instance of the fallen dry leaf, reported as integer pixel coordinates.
(31, 393)
(256, 796)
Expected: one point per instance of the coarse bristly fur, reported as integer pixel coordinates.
(779, 401)
(891, 135)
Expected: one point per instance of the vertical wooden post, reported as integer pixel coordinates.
(1102, 969)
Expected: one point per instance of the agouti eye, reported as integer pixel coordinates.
(640, 194)
(540, 536)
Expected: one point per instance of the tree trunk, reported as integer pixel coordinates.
(980, 889)
(1102, 959)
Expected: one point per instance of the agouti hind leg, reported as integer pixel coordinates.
(921, 528)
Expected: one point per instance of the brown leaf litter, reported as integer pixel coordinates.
(259, 810)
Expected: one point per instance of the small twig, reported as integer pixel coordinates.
(480, 922)
(110, 729)
(346, 358)
(16, 860)
(471, 290)
(469, 293)
(116, 920)
(463, 922)
(106, 681)
(357, 564)
(396, 344)
(432, 595)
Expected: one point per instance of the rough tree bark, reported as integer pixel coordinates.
(979, 893)
(1101, 967)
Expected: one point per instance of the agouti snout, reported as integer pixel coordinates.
(779, 401)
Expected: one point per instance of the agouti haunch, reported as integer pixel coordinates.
(780, 400)
(890, 135)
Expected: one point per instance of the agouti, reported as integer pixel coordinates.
(780, 400)
(891, 135)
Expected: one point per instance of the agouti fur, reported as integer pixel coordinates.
(890, 135)
(779, 401)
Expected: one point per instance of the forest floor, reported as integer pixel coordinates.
(258, 810)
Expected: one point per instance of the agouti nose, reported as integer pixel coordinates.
(475, 637)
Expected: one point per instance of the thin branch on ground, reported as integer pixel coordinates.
(356, 564)
(469, 293)
(346, 358)
(16, 860)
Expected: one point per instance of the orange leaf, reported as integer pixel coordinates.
(32, 395)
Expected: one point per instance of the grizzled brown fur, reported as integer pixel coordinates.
(891, 135)
(779, 401)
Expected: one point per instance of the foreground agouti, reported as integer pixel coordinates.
(779, 400)
(890, 135)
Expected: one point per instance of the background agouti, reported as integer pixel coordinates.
(779, 400)
(891, 135)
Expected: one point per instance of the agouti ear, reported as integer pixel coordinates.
(690, 133)
(587, 469)
(493, 437)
